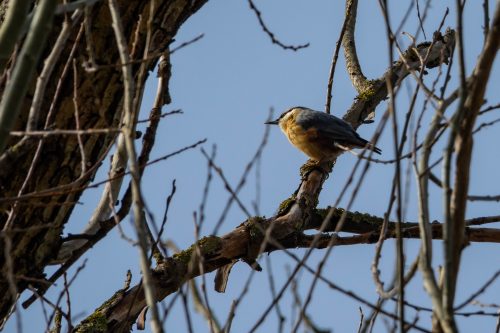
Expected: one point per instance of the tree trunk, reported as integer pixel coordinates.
(32, 236)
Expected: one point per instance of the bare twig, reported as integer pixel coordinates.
(48, 68)
(361, 317)
(77, 132)
(478, 292)
(187, 43)
(490, 108)
(487, 124)
(420, 20)
(271, 35)
(335, 57)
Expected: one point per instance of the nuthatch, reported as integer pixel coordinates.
(319, 135)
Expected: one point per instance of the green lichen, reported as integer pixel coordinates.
(323, 212)
(358, 217)
(312, 165)
(307, 168)
(158, 257)
(255, 227)
(207, 245)
(184, 256)
(95, 323)
(367, 93)
(57, 322)
(285, 205)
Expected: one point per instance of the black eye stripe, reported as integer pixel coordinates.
(287, 111)
(284, 113)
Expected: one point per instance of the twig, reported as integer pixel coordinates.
(482, 220)
(77, 132)
(48, 68)
(159, 233)
(77, 120)
(68, 302)
(486, 19)
(479, 291)
(483, 197)
(335, 57)
(272, 289)
(271, 35)
(361, 317)
(420, 20)
(228, 187)
(163, 115)
(187, 43)
(70, 188)
(244, 175)
(490, 108)
(68, 7)
(483, 125)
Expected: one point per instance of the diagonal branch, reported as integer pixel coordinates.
(216, 252)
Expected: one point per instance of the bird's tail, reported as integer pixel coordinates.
(375, 149)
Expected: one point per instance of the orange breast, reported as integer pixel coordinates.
(309, 142)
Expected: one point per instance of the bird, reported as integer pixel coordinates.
(319, 135)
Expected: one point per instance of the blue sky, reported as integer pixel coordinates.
(226, 84)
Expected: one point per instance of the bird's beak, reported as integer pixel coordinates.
(272, 122)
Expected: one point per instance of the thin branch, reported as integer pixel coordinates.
(487, 124)
(420, 21)
(76, 132)
(483, 198)
(187, 43)
(48, 68)
(130, 117)
(271, 35)
(478, 292)
(490, 108)
(70, 188)
(335, 57)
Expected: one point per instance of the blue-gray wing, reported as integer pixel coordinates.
(333, 129)
(328, 126)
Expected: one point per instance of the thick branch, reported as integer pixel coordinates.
(358, 80)
(240, 243)
(376, 91)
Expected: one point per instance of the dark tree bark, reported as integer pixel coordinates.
(35, 231)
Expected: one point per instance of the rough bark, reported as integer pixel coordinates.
(35, 232)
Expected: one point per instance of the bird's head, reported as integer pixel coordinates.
(287, 117)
